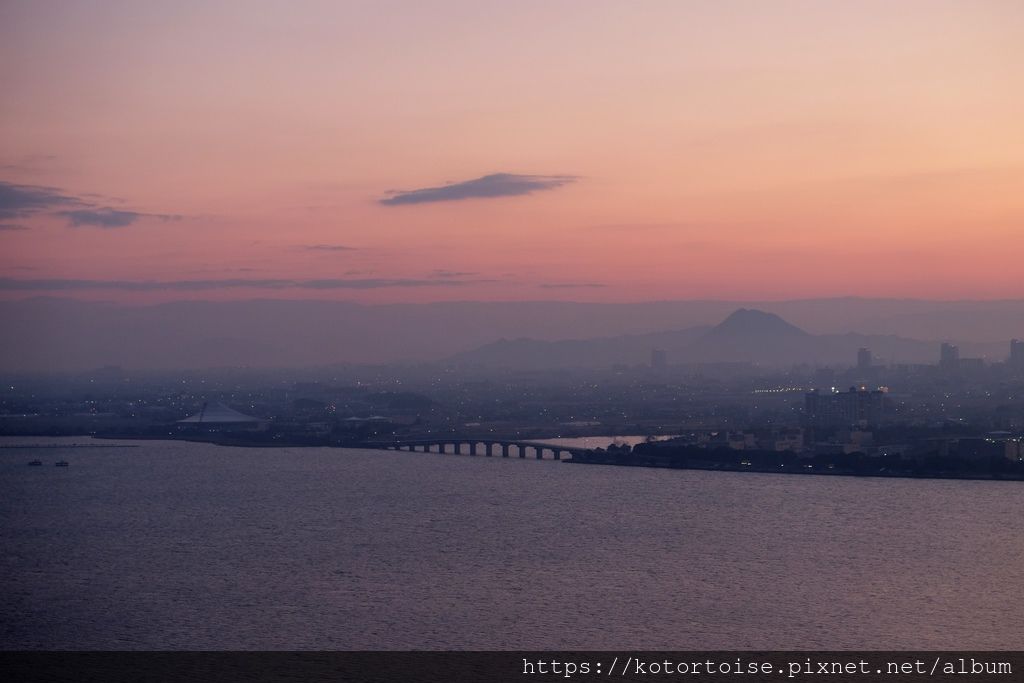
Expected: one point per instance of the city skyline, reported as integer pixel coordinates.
(500, 151)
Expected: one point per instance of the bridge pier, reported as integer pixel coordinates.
(481, 447)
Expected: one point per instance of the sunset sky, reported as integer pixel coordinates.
(596, 151)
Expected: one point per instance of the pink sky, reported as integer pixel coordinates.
(757, 150)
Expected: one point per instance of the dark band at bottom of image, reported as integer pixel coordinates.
(524, 667)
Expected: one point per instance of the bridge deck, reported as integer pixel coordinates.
(521, 445)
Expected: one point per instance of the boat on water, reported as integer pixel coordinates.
(35, 463)
(61, 463)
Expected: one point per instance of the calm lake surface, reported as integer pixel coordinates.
(174, 545)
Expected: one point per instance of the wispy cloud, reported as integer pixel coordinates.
(107, 217)
(488, 186)
(31, 163)
(56, 284)
(450, 273)
(326, 247)
(20, 201)
(26, 201)
(572, 285)
(12, 227)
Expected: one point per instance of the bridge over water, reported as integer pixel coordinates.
(477, 446)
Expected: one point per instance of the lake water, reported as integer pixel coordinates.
(191, 546)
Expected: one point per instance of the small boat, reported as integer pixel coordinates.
(35, 463)
(61, 463)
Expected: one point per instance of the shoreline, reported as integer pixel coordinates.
(594, 457)
(801, 471)
(69, 445)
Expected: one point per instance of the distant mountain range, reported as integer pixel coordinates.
(51, 334)
(747, 335)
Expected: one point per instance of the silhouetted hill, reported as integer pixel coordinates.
(755, 336)
(745, 322)
(746, 335)
(535, 354)
(51, 334)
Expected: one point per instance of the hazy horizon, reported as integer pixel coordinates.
(67, 334)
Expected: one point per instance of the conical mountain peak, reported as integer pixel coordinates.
(750, 321)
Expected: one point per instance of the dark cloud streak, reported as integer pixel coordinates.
(573, 285)
(485, 187)
(19, 201)
(326, 247)
(12, 284)
(450, 273)
(107, 217)
(26, 201)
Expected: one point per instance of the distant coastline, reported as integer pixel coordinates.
(645, 455)
(68, 445)
(764, 462)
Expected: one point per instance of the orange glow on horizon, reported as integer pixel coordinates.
(720, 150)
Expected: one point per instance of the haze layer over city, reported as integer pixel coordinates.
(729, 241)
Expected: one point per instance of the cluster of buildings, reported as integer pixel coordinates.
(808, 442)
(858, 406)
(950, 360)
(768, 439)
(865, 407)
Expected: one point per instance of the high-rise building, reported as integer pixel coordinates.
(863, 358)
(843, 409)
(1017, 353)
(949, 356)
(659, 359)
